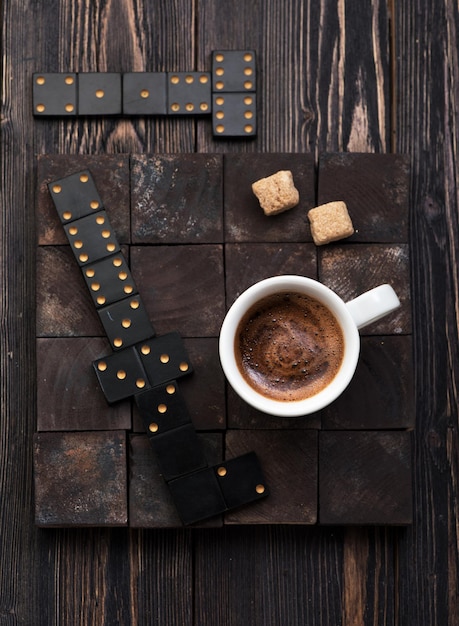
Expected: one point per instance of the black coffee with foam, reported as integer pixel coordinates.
(289, 346)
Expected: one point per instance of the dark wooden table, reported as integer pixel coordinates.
(334, 77)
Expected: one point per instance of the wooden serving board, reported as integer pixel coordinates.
(195, 238)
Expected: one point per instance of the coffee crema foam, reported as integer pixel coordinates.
(289, 346)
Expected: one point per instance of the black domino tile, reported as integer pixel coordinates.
(55, 94)
(109, 280)
(197, 496)
(75, 196)
(162, 408)
(92, 238)
(178, 452)
(234, 115)
(126, 322)
(241, 480)
(189, 93)
(99, 93)
(121, 375)
(165, 358)
(145, 93)
(233, 70)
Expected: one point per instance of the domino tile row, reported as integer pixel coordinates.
(228, 93)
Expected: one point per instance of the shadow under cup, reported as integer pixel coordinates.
(281, 285)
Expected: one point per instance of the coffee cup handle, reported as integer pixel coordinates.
(373, 305)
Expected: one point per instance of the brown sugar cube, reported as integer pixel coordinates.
(276, 193)
(330, 222)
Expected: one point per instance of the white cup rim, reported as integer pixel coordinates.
(299, 284)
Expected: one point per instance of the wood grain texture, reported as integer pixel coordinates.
(161, 577)
(16, 303)
(427, 128)
(369, 590)
(290, 576)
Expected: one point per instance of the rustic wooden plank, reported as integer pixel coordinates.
(381, 394)
(150, 501)
(68, 395)
(365, 477)
(116, 563)
(289, 461)
(20, 541)
(80, 479)
(427, 93)
(269, 575)
(161, 577)
(245, 219)
(177, 199)
(105, 577)
(375, 188)
(351, 269)
(66, 551)
(369, 592)
(182, 287)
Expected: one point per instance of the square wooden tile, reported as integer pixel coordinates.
(177, 198)
(245, 219)
(289, 463)
(375, 188)
(365, 477)
(68, 395)
(352, 269)
(80, 479)
(380, 396)
(182, 287)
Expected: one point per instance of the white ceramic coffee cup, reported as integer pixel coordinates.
(363, 310)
